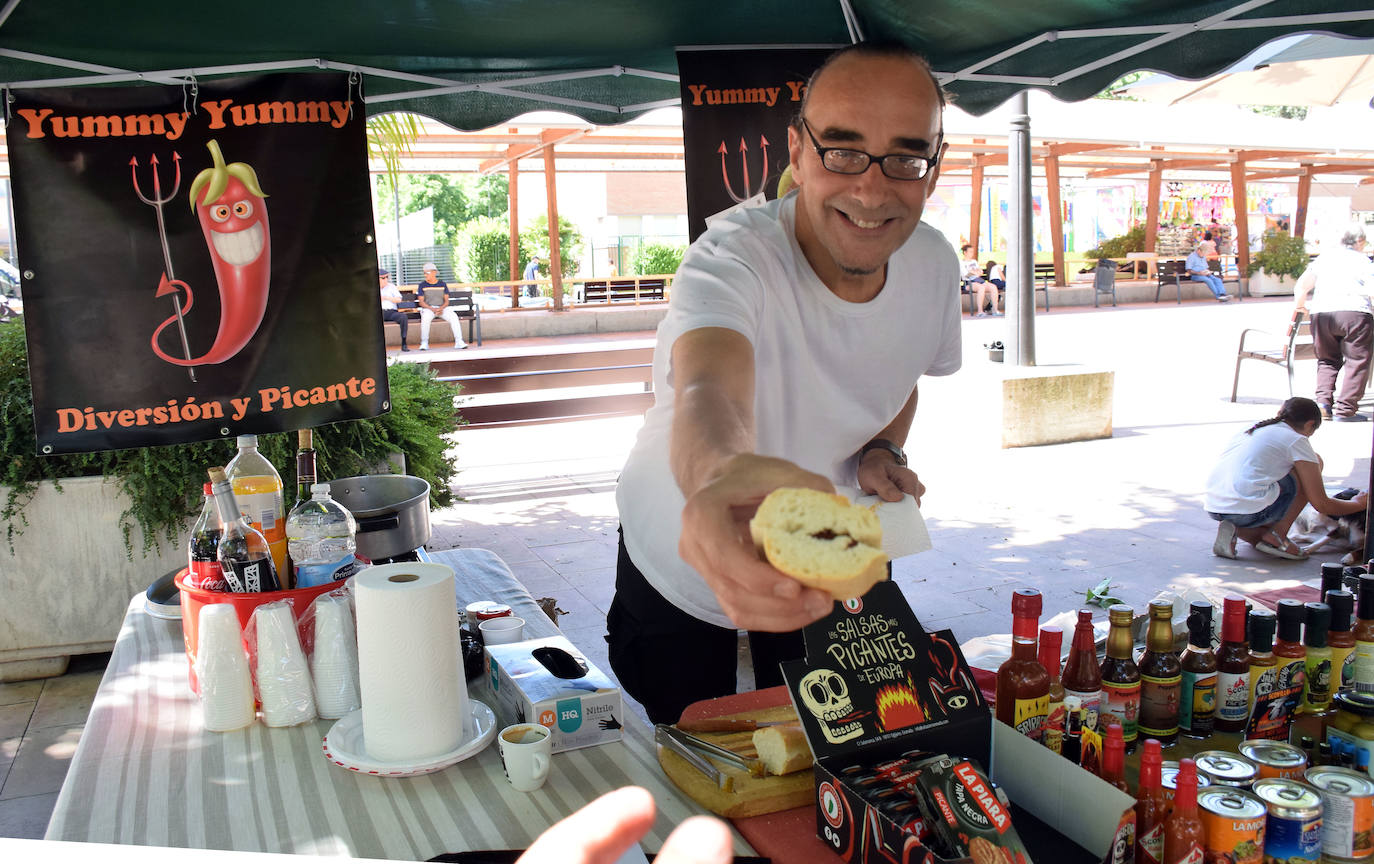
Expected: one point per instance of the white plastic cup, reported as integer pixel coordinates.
(288, 698)
(502, 631)
(334, 663)
(226, 687)
(525, 752)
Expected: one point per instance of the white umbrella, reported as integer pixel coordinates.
(1319, 70)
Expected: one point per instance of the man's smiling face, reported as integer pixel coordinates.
(848, 225)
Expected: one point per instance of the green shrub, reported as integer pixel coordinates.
(484, 250)
(534, 240)
(164, 483)
(1281, 255)
(1117, 247)
(655, 259)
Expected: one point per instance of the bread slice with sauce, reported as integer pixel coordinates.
(821, 540)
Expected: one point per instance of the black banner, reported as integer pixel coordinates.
(736, 105)
(161, 303)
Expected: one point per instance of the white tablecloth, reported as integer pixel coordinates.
(146, 773)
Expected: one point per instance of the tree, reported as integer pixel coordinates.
(656, 259)
(483, 252)
(534, 239)
(440, 191)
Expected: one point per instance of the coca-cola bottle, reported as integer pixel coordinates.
(204, 571)
(244, 555)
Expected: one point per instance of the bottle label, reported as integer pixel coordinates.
(1192, 856)
(1091, 706)
(310, 575)
(1151, 846)
(1277, 690)
(207, 576)
(1121, 704)
(1159, 700)
(1343, 659)
(1364, 667)
(1028, 715)
(1197, 701)
(1233, 696)
(1317, 693)
(251, 576)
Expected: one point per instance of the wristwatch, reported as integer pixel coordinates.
(883, 444)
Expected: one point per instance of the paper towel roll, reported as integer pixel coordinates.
(904, 530)
(414, 696)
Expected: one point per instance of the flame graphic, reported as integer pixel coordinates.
(898, 706)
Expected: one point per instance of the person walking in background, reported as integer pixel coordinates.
(1196, 265)
(1265, 476)
(432, 297)
(532, 273)
(1340, 282)
(391, 295)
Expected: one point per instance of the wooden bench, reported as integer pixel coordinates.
(567, 368)
(1044, 275)
(460, 301)
(623, 291)
(1280, 352)
(1176, 273)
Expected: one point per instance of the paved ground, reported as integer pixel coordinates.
(1058, 517)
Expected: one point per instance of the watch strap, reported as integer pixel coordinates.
(883, 444)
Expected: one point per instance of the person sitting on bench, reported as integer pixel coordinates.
(977, 285)
(428, 293)
(391, 295)
(1196, 265)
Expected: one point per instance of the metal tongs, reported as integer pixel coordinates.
(691, 749)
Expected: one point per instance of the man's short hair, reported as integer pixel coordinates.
(1353, 236)
(876, 48)
(966, 247)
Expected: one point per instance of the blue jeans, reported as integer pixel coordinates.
(1288, 490)
(1213, 282)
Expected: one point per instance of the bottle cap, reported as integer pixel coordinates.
(248, 440)
(1262, 623)
(1151, 764)
(217, 475)
(1233, 619)
(1051, 643)
(1291, 615)
(1085, 616)
(319, 488)
(1366, 597)
(1200, 624)
(208, 488)
(1026, 603)
(1120, 613)
(1161, 609)
(1342, 605)
(1318, 620)
(1332, 571)
(1185, 782)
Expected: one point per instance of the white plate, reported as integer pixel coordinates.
(344, 746)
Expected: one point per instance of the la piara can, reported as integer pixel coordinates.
(1168, 778)
(1233, 820)
(1274, 758)
(1226, 769)
(1347, 812)
(1293, 828)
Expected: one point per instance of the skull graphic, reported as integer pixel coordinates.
(827, 697)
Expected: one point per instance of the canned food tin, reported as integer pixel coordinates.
(1348, 812)
(1168, 777)
(1293, 829)
(1233, 820)
(1275, 758)
(484, 610)
(1226, 769)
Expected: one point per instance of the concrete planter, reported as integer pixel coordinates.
(67, 584)
(1265, 284)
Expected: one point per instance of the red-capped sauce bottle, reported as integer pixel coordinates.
(1051, 642)
(1082, 675)
(1023, 686)
(1233, 668)
(1151, 807)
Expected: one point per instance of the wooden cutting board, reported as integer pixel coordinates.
(749, 796)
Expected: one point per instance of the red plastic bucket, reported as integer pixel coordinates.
(192, 599)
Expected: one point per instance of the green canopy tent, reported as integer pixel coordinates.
(475, 63)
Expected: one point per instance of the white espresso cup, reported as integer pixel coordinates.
(525, 751)
(502, 631)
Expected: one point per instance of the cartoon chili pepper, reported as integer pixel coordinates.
(233, 216)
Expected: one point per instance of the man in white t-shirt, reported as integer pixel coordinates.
(1340, 282)
(789, 357)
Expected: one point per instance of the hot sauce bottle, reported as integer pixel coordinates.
(1160, 677)
(1316, 692)
(1023, 686)
(1082, 676)
(1120, 677)
(1264, 675)
(1341, 638)
(1184, 838)
(1291, 656)
(1073, 728)
(1197, 697)
(1233, 668)
(1150, 806)
(1114, 758)
(1364, 636)
(1051, 641)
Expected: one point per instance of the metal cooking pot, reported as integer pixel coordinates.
(392, 512)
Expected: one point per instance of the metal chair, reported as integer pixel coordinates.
(1298, 346)
(1104, 280)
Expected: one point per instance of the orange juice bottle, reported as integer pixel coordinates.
(258, 491)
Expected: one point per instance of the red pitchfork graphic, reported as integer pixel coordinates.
(169, 283)
(744, 162)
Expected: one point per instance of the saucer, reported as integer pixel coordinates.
(344, 746)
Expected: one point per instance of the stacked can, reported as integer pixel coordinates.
(1293, 827)
(1348, 812)
(1234, 821)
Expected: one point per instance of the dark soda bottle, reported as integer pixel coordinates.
(204, 571)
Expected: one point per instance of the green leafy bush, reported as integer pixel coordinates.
(164, 483)
(534, 240)
(484, 250)
(1117, 247)
(1281, 255)
(656, 259)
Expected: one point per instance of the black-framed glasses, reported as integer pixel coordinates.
(898, 166)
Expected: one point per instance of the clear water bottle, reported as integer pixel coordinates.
(319, 536)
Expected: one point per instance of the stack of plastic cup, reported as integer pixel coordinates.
(226, 687)
(284, 685)
(334, 665)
